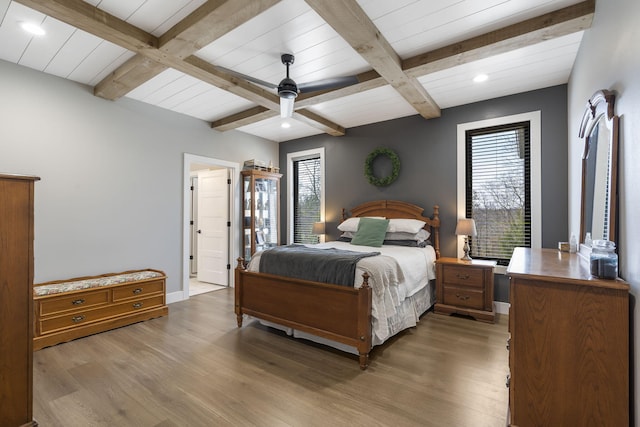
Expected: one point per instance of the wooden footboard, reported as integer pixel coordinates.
(339, 313)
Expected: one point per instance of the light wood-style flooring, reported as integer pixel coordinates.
(196, 368)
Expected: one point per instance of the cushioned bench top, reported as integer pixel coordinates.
(94, 282)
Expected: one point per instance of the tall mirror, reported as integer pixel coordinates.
(599, 128)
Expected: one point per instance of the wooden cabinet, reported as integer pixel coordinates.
(465, 287)
(260, 213)
(16, 300)
(569, 345)
(131, 297)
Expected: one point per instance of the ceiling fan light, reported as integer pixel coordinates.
(287, 88)
(286, 107)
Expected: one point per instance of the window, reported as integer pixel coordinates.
(305, 194)
(498, 190)
(499, 173)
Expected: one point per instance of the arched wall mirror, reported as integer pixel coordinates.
(599, 128)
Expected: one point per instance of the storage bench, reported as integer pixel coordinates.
(74, 308)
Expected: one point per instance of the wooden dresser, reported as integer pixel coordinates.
(569, 345)
(16, 300)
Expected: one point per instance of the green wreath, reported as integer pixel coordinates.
(368, 167)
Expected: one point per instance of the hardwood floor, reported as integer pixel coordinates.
(196, 368)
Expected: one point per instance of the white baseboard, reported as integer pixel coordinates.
(501, 307)
(175, 297)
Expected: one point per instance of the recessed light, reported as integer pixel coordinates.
(286, 125)
(480, 78)
(32, 28)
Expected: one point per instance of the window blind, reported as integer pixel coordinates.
(498, 189)
(306, 198)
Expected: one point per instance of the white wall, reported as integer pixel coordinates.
(609, 58)
(111, 194)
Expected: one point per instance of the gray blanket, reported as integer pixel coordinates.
(329, 265)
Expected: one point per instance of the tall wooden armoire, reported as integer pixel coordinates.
(16, 300)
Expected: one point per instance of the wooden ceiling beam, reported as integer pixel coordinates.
(314, 120)
(243, 118)
(558, 23)
(91, 19)
(170, 50)
(204, 25)
(216, 17)
(348, 19)
(95, 21)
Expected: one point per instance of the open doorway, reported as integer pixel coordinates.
(193, 164)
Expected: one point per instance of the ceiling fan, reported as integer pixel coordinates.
(288, 89)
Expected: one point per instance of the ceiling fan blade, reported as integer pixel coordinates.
(248, 78)
(330, 83)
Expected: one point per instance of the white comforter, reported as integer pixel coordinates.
(398, 274)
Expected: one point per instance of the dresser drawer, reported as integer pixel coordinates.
(460, 297)
(462, 275)
(78, 302)
(137, 290)
(81, 317)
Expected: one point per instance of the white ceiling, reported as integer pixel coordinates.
(254, 37)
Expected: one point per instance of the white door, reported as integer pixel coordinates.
(213, 228)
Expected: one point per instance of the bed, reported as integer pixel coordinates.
(357, 317)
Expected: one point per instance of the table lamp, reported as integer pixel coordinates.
(466, 227)
(318, 228)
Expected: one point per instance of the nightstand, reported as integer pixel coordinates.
(465, 287)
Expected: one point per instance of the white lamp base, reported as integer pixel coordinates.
(466, 250)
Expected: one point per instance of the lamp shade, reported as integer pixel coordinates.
(318, 228)
(466, 227)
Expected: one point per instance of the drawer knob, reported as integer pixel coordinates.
(137, 291)
(508, 383)
(463, 276)
(508, 343)
(137, 305)
(462, 297)
(77, 301)
(76, 319)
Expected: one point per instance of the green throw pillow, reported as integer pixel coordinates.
(370, 232)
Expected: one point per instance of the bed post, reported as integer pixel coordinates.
(364, 321)
(238, 289)
(436, 230)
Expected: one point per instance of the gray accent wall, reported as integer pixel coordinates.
(609, 58)
(427, 151)
(111, 192)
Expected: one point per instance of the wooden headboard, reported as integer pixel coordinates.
(396, 209)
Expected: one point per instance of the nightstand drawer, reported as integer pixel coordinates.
(464, 297)
(462, 275)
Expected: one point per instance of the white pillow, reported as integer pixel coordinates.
(351, 224)
(405, 225)
(420, 236)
